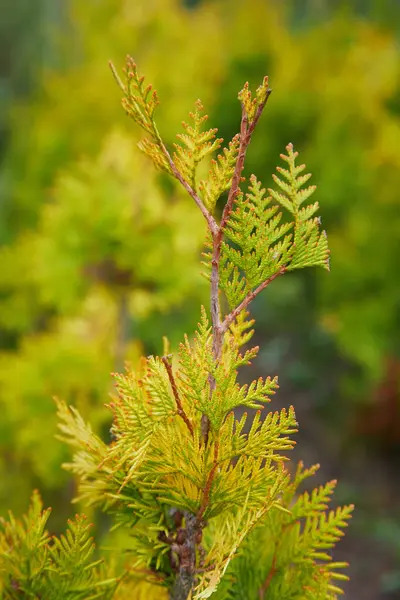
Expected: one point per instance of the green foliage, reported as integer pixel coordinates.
(34, 564)
(155, 463)
(262, 247)
(283, 557)
(144, 418)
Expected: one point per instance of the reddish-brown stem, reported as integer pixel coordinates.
(181, 411)
(267, 582)
(246, 131)
(211, 222)
(245, 138)
(217, 335)
(207, 487)
(249, 298)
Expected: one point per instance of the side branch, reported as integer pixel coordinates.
(181, 411)
(212, 224)
(249, 298)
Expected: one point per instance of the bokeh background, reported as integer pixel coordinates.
(99, 254)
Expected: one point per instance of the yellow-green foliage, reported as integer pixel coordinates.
(34, 564)
(196, 490)
(157, 461)
(262, 248)
(286, 556)
(229, 488)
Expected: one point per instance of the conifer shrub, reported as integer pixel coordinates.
(206, 494)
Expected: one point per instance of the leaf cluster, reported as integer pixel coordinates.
(287, 555)
(34, 564)
(260, 244)
(195, 144)
(228, 480)
(158, 460)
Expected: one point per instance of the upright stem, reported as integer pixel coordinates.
(217, 333)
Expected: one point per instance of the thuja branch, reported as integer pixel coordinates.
(180, 409)
(139, 102)
(248, 244)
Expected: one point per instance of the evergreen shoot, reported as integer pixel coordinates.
(204, 487)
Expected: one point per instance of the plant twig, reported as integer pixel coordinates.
(194, 524)
(207, 487)
(212, 224)
(181, 411)
(249, 298)
(246, 131)
(267, 582)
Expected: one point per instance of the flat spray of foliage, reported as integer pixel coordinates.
(210, 503)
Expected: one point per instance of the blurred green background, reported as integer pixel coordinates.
(99, 254)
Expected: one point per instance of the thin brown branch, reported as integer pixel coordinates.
(215, 231)
(267, 582)
(207, 487)
(245, 138)
(212, 224)
(249, 298)
(181, 411)
(246, 131)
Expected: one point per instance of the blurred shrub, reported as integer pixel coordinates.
(91, 268)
